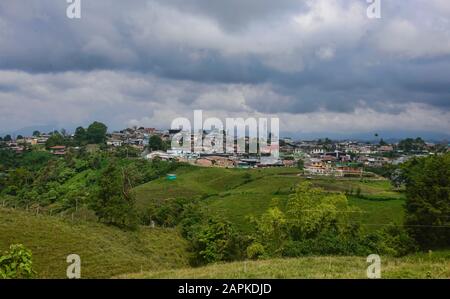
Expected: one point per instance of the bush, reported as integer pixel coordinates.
(393, 241)
(214, 241)
(271, 230)
(255, 251)
(396, 241)
(327, 243)
(17, 263)
(167, 213)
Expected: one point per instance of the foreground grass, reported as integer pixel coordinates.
(436, 265)
(104, 251)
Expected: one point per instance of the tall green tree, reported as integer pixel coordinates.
(156, 144)
(410, 144)
(114, 201)
(300, 164)
(96, 133)
(272, 230)
(428, 200)
(80, 136)
(311, 211)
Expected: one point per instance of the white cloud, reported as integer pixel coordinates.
(414, 117)
(405, 38)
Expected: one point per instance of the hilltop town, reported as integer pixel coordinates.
(320, 157)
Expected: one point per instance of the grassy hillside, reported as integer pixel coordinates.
(436, 265)
(378, 211)
(104, 251)
(236, 194)
(199, 181)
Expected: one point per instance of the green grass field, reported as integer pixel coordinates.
(434, 265)
(236, 194)
(104, 251)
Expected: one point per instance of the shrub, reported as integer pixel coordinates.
(255, 251)
(16, 263)
(326, 243)
(213, 241)
(396, 241)
(312, 210)
(271, 230)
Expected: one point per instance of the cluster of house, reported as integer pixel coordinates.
(18, 145)
(341, 158)
(135, 137)
(222, 160)
(332, 164)
(344, 158)
(139, 138)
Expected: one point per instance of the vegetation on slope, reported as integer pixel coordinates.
(105, 251)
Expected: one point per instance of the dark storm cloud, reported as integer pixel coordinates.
(291, 56)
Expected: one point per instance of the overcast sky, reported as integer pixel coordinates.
(321, 66)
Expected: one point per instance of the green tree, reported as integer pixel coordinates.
(7, 138)
(312, 210)
(272, 230)
(17, 180)
(16, 263)
(54, 140)
(156, 144)
(397, 178)
(428, 200)
(114, 201)
(96, 133)
(214, 241)
(410, 144)
(255, 251)
(80, 136)
(300, 164)
(315, 222)
(36, 133)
